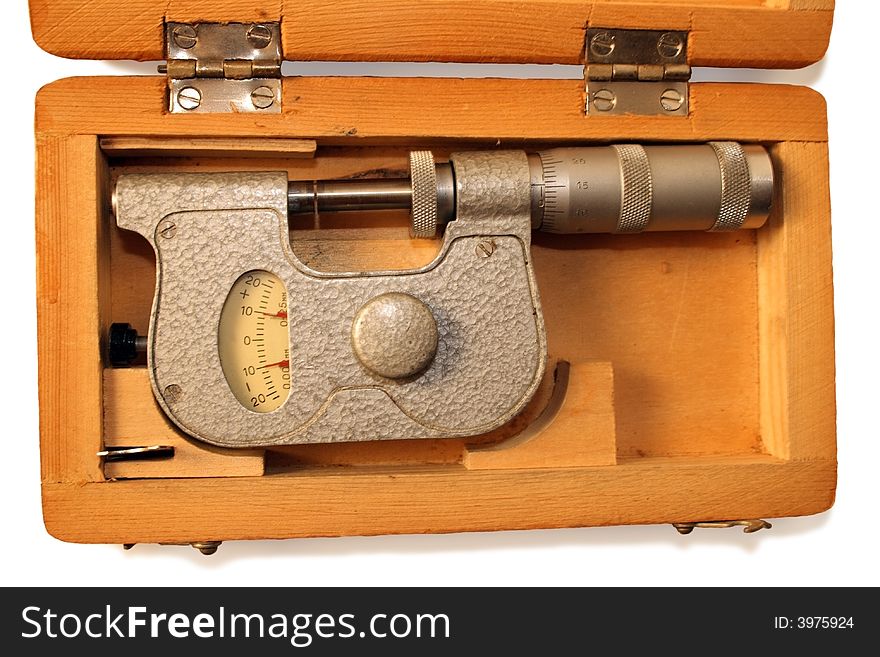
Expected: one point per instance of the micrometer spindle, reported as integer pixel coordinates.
(627, 188)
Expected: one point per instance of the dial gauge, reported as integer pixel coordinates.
(254, 341)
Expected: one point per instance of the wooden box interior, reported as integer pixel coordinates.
(698, 367)
(675, 314)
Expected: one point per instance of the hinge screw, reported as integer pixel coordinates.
(604, 100)
(602, 44)
(670, 45)
(189, 98)
(185, 36)
(262, 97)
(671, 100)
(259, 36)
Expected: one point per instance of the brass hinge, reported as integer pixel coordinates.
(644, 72)
(223, 67)
(749, 526)
(205, 547)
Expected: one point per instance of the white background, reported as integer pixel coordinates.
(838, 547)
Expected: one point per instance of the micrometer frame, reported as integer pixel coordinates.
(492, 343)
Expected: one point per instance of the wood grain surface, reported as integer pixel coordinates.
(70, 252)
(754, 33)
(577, 428)
(359, 110)
(721, 345)
(796, 323)
(342, 502)
(132, 418)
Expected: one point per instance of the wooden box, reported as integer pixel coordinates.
(697, 369)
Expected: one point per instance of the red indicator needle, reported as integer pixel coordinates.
(280, 363)
(280, 314)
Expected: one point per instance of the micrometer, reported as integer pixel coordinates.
(249, 347)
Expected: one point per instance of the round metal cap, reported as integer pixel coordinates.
(394, 335)
(423, 175)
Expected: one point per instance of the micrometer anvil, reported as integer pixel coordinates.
(455, 348)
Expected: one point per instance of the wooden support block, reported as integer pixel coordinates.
(70, 260)
(797, 400)
(133, 418)
(575, 429)
(208, 146)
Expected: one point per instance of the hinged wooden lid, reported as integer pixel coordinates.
(737, 33)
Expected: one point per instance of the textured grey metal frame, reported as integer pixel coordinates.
(208, 229)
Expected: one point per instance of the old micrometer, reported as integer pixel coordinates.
(249, 347)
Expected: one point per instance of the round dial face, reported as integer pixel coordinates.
(254, 342)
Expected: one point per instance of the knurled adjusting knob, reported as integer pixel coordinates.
(423, 175)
